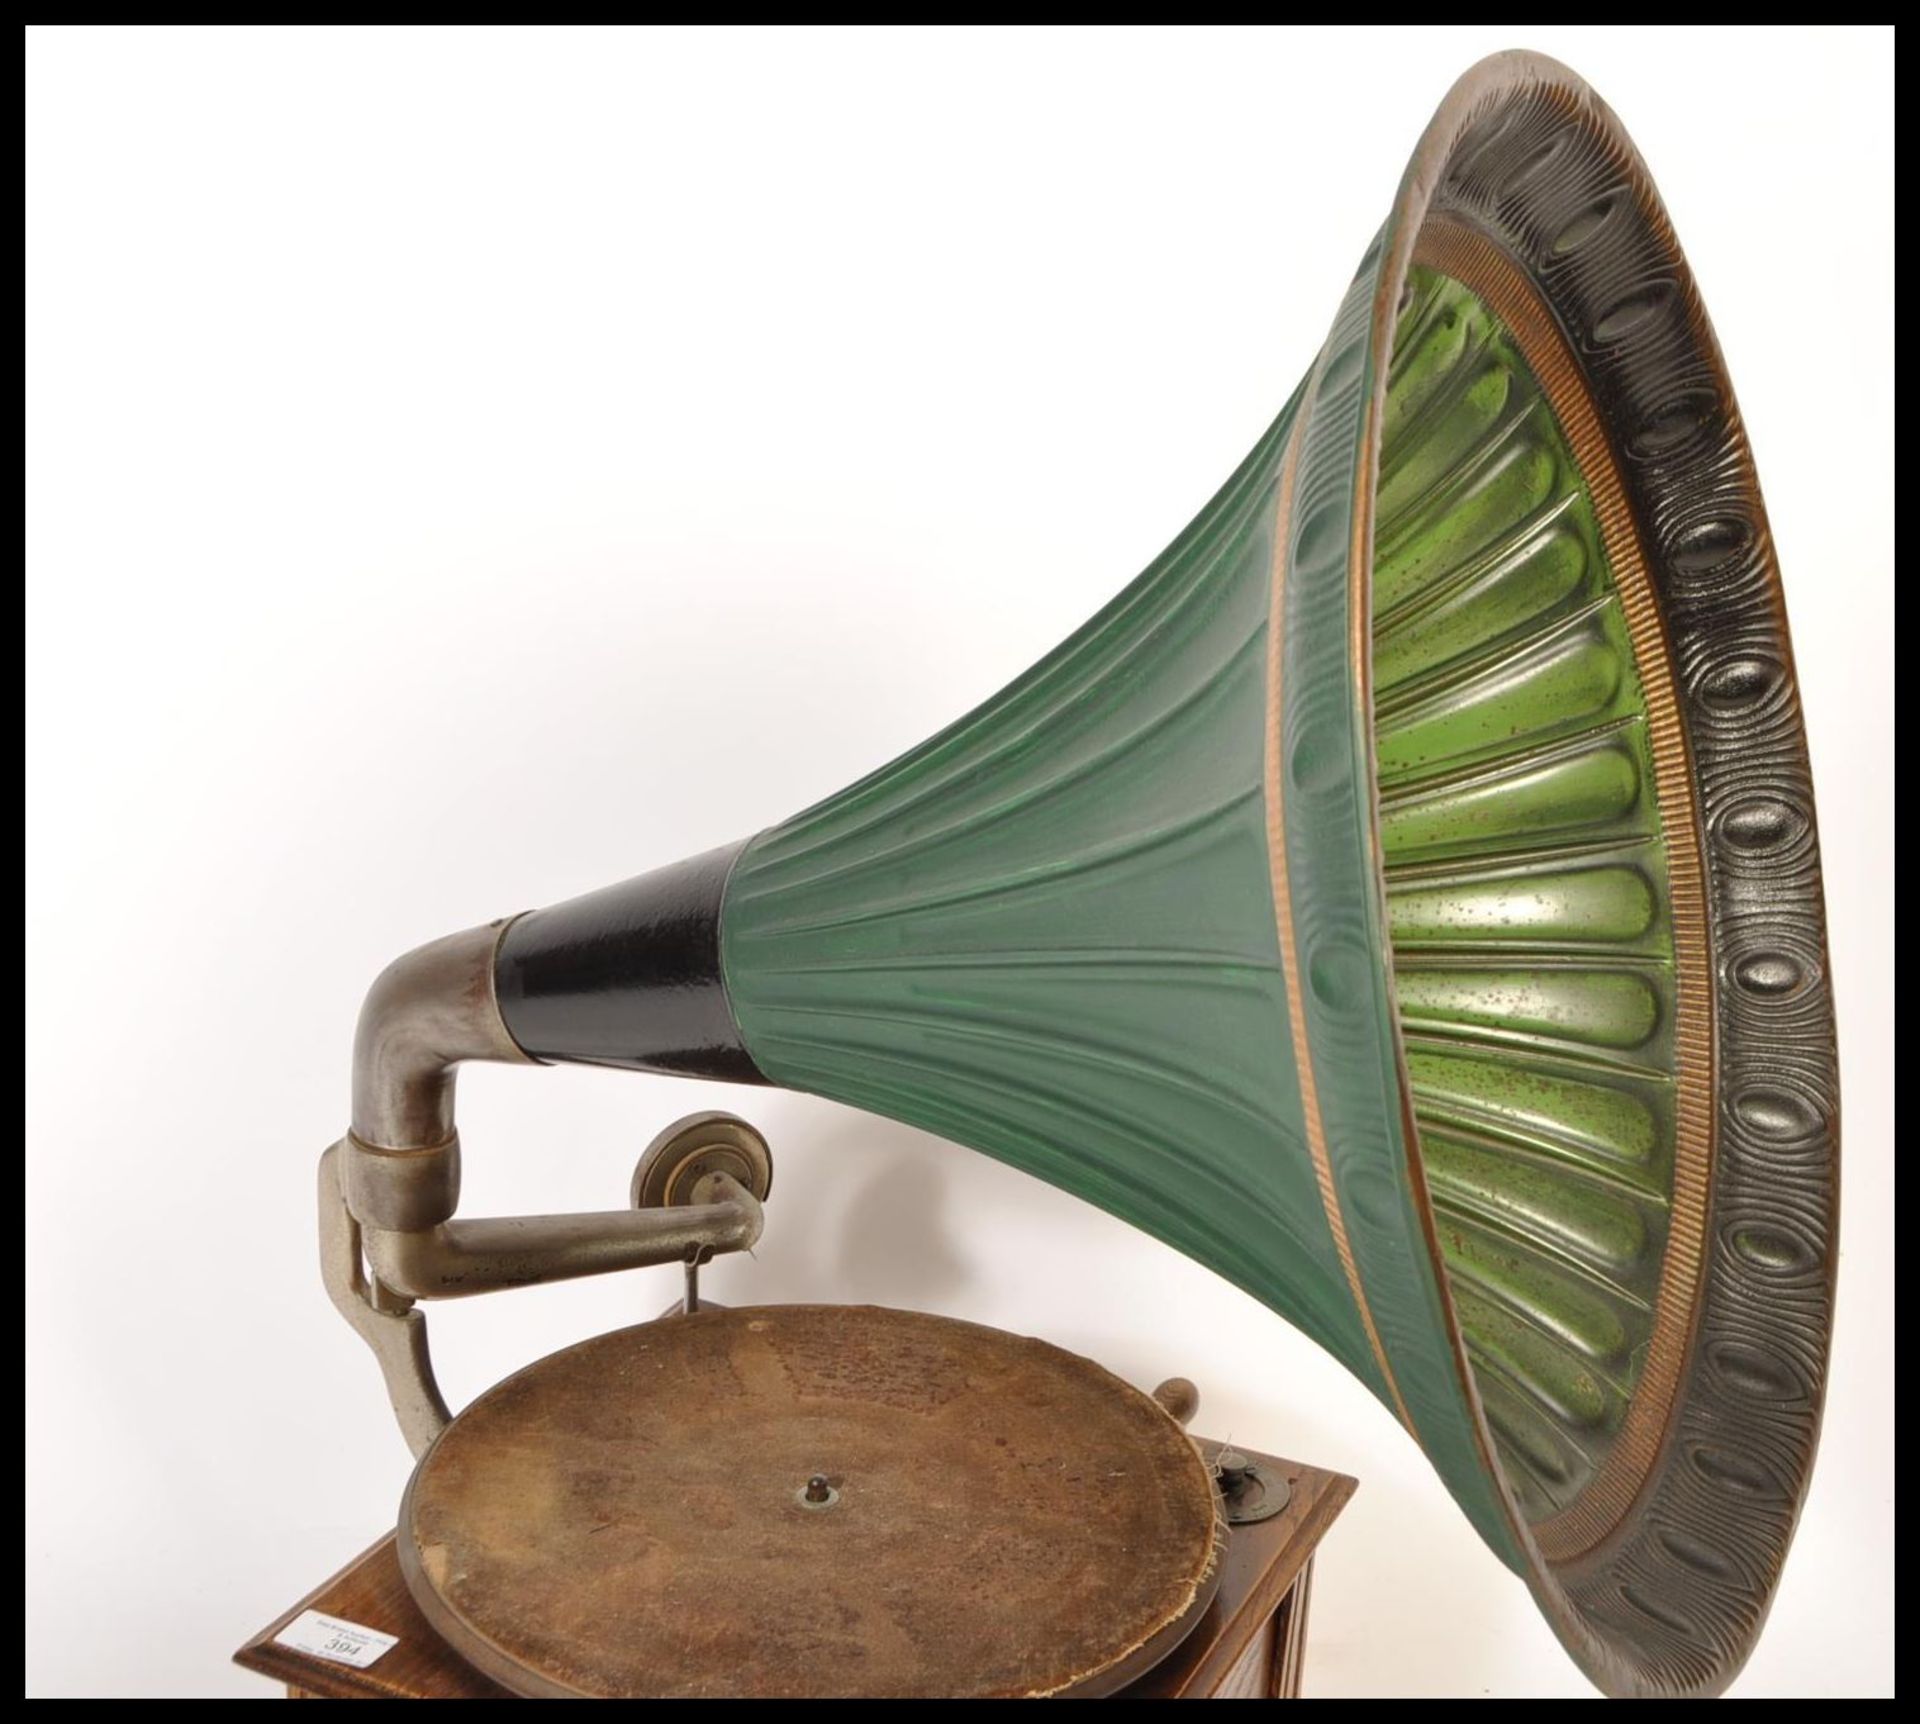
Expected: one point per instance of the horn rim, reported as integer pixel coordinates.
(1648, 1581)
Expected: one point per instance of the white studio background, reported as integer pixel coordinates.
(468, 467)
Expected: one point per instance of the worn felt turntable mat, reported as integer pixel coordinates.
(629, 1517)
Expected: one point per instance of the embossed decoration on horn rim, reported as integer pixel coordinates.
(1526, 189)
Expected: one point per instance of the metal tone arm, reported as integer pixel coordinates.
(389, 1188)
(459, 1258)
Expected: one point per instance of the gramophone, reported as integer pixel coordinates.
(1403, 898)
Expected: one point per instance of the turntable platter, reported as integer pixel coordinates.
(800, 1501)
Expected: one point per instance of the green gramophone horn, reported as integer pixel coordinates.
(1403, 899)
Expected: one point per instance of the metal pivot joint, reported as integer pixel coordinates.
(389, 1188)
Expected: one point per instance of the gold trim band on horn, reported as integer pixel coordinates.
(1283, 908)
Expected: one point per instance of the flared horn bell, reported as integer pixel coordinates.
(1403, 899)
